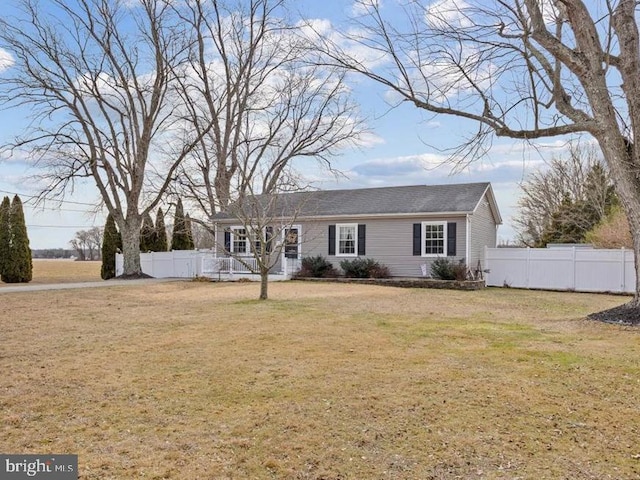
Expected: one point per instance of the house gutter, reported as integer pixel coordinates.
(304, 218)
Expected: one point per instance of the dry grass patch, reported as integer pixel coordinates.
(62, 271)
(331, 381)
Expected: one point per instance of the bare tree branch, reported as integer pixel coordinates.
(253, 77)
(104, 98)
(522, 69)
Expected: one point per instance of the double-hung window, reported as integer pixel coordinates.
(239, 241)
(347, 238)
(434, 238)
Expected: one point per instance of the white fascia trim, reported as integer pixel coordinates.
(356, 216)
(493, 204)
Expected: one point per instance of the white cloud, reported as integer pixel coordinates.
(369, 139)
(363, 7)
(6, 60)
(316, 27)
(448, 14)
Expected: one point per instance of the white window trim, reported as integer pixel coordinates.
(355, 239)
(284, 238)
(423, 234)
(247, 240)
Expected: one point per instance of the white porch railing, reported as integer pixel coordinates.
(216, 265)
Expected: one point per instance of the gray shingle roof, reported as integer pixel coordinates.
(428, 199)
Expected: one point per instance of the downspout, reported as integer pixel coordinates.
(467, 245)
(215, 240)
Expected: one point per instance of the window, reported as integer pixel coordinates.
(434, 237)
(239, 240)
(346, 238)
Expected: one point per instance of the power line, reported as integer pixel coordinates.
(61, 226)
(53, 209)
(31, 197)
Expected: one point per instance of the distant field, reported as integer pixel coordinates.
(63, 271)
(193, 380)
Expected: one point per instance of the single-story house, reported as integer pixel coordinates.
(404, 228)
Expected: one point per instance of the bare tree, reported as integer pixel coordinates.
(267, 230)
(522, 69)
(203, 238)
(94, 242)
(580, 178)
(87, 243)
(254, 78)
(612, 231)
(78, 243)
(100, 77)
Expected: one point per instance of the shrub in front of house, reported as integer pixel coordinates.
(364, 268)
(446, 269)
(317, 267)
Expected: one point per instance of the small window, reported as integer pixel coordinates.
(434, 237)
(239, 240)
(347, 239)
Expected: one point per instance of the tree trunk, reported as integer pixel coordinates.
(264, 283)
(620, 160)
(131, 246)
(631, 203)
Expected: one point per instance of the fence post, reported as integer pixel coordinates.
(573, 261)
(527, 268)
(486, 265)
(623, 272)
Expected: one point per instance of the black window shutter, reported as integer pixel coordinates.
(451, 239)
(362, 238)
(417, 239)
(227, 241)
(332, 239)
(268, 235)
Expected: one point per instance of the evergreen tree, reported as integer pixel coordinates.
(570, 223)
(5, 233)
(180, 238)
(189, 232)
(148, 235)
(111, 243)
(161, 233)
(18, 268)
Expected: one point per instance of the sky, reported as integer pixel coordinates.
(404, 148)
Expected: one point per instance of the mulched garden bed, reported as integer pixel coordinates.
(133, 276)
(626, 314)
(406, 282)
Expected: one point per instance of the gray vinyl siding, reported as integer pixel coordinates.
(482, 233)
(388, 240)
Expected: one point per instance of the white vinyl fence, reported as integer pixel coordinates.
(568, 268)
(194, 263)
